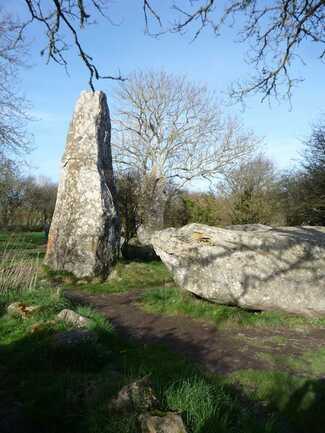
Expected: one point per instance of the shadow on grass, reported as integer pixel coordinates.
(49, 389)
(3, 306)
(306, 406)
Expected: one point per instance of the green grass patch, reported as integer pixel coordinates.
(299, 400)
(126, 276)
(64, 391)
(69, 390)
(174, 301)
(21, 241)
(309, 363)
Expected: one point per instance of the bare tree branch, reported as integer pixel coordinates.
(276, 31)
(60, 17)
(14, 107)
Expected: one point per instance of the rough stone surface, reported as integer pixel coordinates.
(249, 227)
(84, 234)
(73, 318)
(19, 309)
(137, 396)
(144, 235)
(275, 269)
(166, 423)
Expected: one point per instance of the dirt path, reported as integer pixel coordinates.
(218, 351)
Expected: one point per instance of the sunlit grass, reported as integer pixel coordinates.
(126, 276)
(174, 301)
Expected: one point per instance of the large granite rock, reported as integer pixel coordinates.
(265, 269)
(84, 234)
(144, 235)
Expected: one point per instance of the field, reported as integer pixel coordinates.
(45, 388)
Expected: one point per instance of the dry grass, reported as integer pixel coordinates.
(18, 270)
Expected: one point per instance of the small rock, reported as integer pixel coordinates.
(44, 283)
(40, 326)
(168, 422)
(81, 282)
(137, 396)
(68, 279)
(19, 309)
(73, 318)
(74, 337)
(113, 275)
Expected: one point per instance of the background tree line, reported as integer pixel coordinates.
(27, 202)
(252, 192)
(167, 133)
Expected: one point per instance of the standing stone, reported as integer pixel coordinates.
(84, 234)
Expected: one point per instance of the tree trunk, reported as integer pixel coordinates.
(154, 196)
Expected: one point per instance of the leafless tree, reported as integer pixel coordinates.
(254, 175)
(170, 130)
(10, 190)
(252, 191)
(13, 106)
(25, 201)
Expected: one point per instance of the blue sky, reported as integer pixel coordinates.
(125, 47)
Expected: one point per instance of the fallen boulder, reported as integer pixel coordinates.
(279, 268)
(249, 227)
(144, 235)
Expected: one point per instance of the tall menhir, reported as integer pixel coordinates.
(84, 234)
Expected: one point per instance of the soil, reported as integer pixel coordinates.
(216, 350)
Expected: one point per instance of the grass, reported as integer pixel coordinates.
(20, 258)
(21, 241)
(300, 400)
(133, 275)
(64, 391)
(173, 301)
(126, 276)
(69, 390)
(49, 389)
(309, 363)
